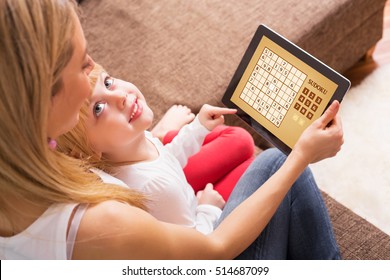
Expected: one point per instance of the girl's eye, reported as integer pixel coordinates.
(98, 109)
(108, 82)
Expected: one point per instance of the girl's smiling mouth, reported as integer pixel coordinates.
(136, 110)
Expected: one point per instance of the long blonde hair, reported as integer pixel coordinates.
(36, 45)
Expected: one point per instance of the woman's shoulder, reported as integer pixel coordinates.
(108, 226)
(99, 217)
(115, 230)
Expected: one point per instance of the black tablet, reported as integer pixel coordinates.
(279, 89)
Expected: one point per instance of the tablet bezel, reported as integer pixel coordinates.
(343, 84)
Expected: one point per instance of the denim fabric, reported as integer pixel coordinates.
(300, 228)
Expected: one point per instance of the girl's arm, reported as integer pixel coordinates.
(188, 141)
(119, 231)
(191, 136)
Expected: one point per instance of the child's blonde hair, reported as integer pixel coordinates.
(75, 142)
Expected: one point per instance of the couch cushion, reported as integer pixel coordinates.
(357, 238)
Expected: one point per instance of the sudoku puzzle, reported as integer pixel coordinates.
(273, 86)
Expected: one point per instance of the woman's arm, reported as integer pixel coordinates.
(113, 230)
(119, 231)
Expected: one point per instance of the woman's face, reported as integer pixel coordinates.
(66, 103)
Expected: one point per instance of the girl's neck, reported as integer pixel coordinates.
(140, 150)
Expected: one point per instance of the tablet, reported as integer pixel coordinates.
(279, 89)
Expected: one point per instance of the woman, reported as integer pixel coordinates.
(50, 204)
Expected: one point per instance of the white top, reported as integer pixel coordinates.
(163, 180)
(45, 239)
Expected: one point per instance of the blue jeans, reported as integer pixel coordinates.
(300, 228)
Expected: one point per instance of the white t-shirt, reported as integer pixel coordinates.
(45, 239)
(48, 237)
(172, 199)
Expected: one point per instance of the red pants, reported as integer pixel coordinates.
(224, 156)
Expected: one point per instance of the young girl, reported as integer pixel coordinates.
(113, 132)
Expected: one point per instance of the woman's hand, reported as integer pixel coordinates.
(211, 116)
(323, 138)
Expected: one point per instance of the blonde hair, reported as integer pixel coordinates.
(36, 45)
(75, 142)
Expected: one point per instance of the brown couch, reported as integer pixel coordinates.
(185, 52)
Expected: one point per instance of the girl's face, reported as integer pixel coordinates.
(117, 115)
(67, 102)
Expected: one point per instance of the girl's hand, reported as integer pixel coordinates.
(211, 116)
(323, 138)
(210, 196)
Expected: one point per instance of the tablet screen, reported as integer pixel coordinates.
(282, 89)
